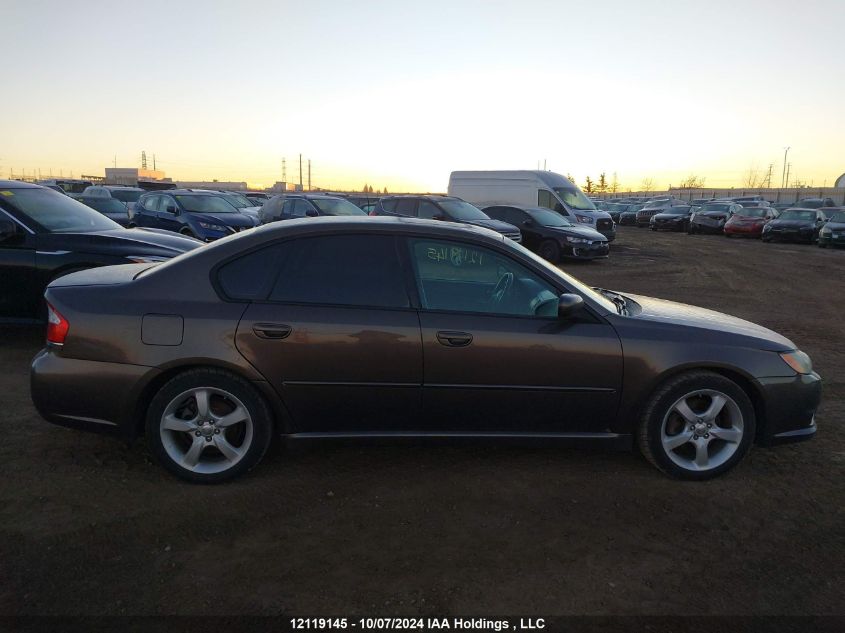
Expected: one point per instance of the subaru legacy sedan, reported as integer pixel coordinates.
(398, 327)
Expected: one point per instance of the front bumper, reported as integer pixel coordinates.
(87, 395)
(792, 235)
(789, 408)
(836, 239)
(709, 227)
(744, 229)
(584, 251)
(669, 225)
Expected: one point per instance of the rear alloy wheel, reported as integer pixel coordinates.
(207, 426)
(697, 426)
(550, 251)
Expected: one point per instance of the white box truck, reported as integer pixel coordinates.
(533, 189)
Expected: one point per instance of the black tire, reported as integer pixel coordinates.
(766, 239)
(549, 250)
(261, 420)
(659, 407)
(188, 233)
(822, 245)
(653, 228)
(691, 229)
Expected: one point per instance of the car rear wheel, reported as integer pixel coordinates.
(549, 250)
(208, 426)
(697, 426)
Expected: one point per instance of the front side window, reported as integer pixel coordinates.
(463, 277)
(336, 206)
(545, 199)
(151, 203)
(427, 210)
(405, 206)
(348, 270)
(298, 208)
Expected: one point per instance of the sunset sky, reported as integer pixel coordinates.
(399, 94)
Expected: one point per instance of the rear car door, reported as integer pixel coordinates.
(336, 336)
(497, 359)
(168, 214)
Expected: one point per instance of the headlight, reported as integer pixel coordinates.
(798, 361)
(767, 227)
(146, 259)
(826, 232)
(584, 219)
(212, 227)
(576, 240)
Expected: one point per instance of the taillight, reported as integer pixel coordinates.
(57, 326)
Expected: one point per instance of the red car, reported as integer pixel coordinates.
(749, 221)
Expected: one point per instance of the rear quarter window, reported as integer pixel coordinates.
(250, 277)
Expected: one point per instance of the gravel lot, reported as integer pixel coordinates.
(89, 526)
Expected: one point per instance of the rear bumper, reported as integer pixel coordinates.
(87, 395)
(790, 405)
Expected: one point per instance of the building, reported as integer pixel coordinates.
(134, 177)
(226, 185)
(282, 187)
(840, 182)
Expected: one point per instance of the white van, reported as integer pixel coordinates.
(531, 188)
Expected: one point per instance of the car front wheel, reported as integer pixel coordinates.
(550, 251)
(697, 425)
(208, 426)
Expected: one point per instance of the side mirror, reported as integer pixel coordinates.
(568, 305)
(171, 208)
(310, 213)
(8, 229)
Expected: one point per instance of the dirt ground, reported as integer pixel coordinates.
(89, 526)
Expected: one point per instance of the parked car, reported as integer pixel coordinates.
(783, 206)
(268, 335)
(445, 208)
(711, 218)
(801, 225)
(301, 205)
(531, 188)
(672, 219)
(206, 216)
(643, 217)
(126, 195)
(112, 208)
(615, 209)
(71, 186)
(551, 235)
(629, 216)
(814, 203)
(833, 232)
(45, 234)
(749, 221)
(240, 202)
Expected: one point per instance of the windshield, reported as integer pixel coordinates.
(837, 217)
(716, 207)
(549, 218)
(807, 216)
(336, 206)
(237, 200)
(105, 205)
(205, 204)
(127, 195)
(56, 212)
(574, 198)
(460, 210)
(752, 212)
(810, 204)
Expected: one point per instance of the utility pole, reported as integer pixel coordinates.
(284, 171)
(143, 159)
(544, 164)
(300, 172)
(769, 176)
(788, 168)
(783, 176)
(154, 162)
(309, 174)
(115, 161)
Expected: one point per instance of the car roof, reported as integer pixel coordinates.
(428, 196)
(19, 184)
(521, 207)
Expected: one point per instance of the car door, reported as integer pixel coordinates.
(19, 279)
(168, 214)
(507, 364)
(146, 214)
(336, 336)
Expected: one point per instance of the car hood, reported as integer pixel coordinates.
(663, 311)
(670, 216)
(579, 231)
(227, 219)
(493, 225)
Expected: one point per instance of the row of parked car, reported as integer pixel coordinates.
(812, 220)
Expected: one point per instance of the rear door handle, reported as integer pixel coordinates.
(454, 339)
(274, 331)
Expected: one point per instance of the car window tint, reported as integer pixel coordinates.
(427, 210)
(405, 206)
(249, 277)
(465, 277)
(151, 203)
(299, 208)
(545, 199)
(353, 270)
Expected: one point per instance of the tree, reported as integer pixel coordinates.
(570, 178)
(588, 186)
(692, 182)
(614, 184)
(385, 191)
(647, 185)
(365, 188)
(602, 186)
(753, 178)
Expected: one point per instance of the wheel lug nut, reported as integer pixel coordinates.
(197, 433)
(208, 439)
(217, 431)
(706, 435)
(709, 425)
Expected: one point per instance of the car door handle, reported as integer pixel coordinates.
(274, 331)
(454, 339)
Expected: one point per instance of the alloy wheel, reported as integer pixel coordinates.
(206, 430)
(702, 430)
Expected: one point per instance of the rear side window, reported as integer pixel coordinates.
(150, 203)
(250, 277)
(428, 210)
(351, 270)
(545, 199)
(389, 205)
(406, 206)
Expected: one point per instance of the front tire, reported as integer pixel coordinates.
(550, 251)
(697, 425)
(208, 426)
